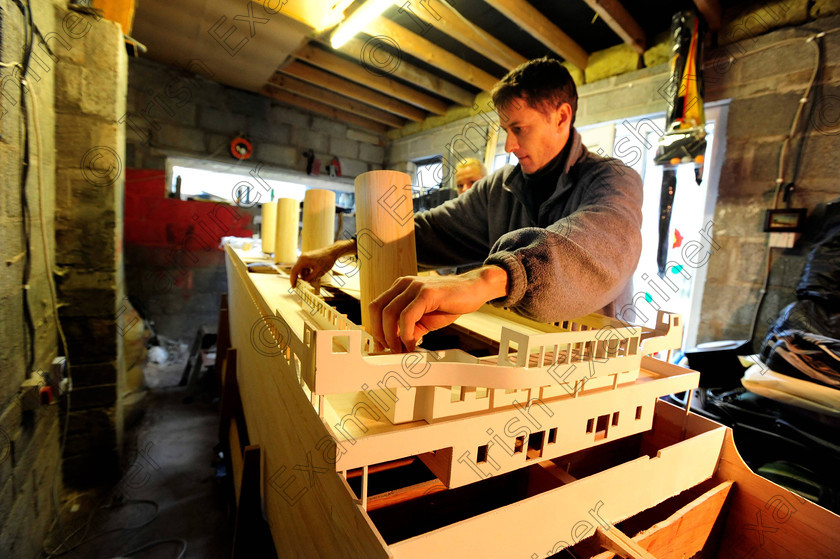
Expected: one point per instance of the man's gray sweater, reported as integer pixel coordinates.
(582, 262)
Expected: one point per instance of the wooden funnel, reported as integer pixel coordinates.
(269, 224)
(286, 240)
(318, 219)
(384, 233)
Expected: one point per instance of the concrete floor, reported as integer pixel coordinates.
(169, 460)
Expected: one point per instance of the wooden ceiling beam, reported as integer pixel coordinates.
(354, 90)
(320, 108)
(306, 89)
(364, 50)
(357, 73)
(621, 22)
(711, 12)
(448, 20)
(531, 20)
(428, 52)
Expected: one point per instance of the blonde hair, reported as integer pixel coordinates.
(471, 162)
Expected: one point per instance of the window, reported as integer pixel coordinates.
(249, 184)
(503, 159)
(428, 174)
(601, 427)
(634, 142)
(535, 445)
(200, 182)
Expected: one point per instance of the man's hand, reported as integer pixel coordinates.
(313, 264)
(413, 306)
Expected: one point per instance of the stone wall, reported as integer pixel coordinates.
(30, 461)
(763, 76)
(178, 112)
(90, 99)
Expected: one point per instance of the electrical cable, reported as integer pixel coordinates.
(52, 289)
(813, 40)
(47, 264)
(157, 542)
(58, 552)
(29, 337)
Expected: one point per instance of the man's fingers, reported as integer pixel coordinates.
(391, 317)
(376, 308)
(384, 314)
(409, 316)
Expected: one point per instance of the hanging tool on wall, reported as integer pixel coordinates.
(684, 140)
(334, 168)
(313, 164)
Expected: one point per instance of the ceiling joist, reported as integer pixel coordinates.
(425, 50)
(621, 22)
(316, 93)
(320, 108)
(358, 74)
(448, 20)
(531, 20)
(352, 89)
(365, 51)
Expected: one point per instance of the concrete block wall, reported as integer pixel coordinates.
(91, 79)
(174, 266)
(763, 90)
(30, 464)
(172, 112)
(766, 76)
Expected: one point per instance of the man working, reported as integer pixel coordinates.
(467, 172)
(559, 233)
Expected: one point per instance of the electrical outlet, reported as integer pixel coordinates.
(783, 240)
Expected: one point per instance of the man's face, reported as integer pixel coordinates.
(465, 177)
(533, 136)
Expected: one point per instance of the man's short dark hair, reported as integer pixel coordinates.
(544, 83)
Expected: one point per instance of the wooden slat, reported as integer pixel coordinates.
(350, 89)
(235, 458)
(455, 25)
(558, 472)
(360, 50)
(321, 108)
(619, 19)
(428, 52)
(684, 533)
(404, 494)
(687, 529)
(711, 12)
(618, 542)
(531, 20)
(357, 73)
(327, 97)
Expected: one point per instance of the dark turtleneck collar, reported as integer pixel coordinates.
(540, 185)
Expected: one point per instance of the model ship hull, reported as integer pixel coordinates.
(558, 437)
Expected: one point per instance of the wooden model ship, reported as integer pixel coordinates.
(518, 439)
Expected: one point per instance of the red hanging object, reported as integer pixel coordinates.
(241, 148)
